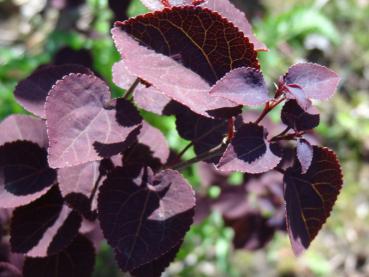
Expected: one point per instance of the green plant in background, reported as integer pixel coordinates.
(338, 31)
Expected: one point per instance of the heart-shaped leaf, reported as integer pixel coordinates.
(244, 86)
(44, 227)
(248, 151)
(310, 197)
(80, 114)
(316, 81)
(144, 216)
(183, 71)
(24, 173)
(296, 118)
(77, 260)
(31, 93)
(23, 127)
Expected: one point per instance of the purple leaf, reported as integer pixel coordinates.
(79, 114)
(205, 133)
(147, 98)
(248, 152)
(310, 197)
(144, 216)
(156, 267)
(31, 93)
(44, 227)
(24, 173)
(23, 127)
(223, 7)
(243, 85)
(304, 152)
(300, 97)
(296, 118)
(238, 18)
(24, 169)
(77, 260)
(79, 179)
(183, 71)
(156, 141)
(316, 81)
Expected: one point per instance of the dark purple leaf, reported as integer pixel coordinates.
(205, 133)
(80, 113)
(9, 270)
(77, 260)
(156, 267)
(304, 152)
(144, 216)
(24, 169)
(24, 173)
(296, 118)
(252, 231)
(224, 7)
(249, 151)
(238, 18)
(310, 197)
(23, 127)
(67, 55)
(44, 227)
(31, 93)
(316, 81)
(244, 86)
(175, 63)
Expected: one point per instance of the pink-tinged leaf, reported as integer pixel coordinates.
(249, 152)
(316, 81)
(144, 216)
(183, 71)
(31, 93)
(299, 95)
(23, 127)
(157, 267)
(310, 197)
(244, 86)
(296, 118)
(81, 116)
(79, 179)
(304, 152)
(147, 98)
(47, 231)
(77, 260)
(24, 173)
(156, 141)
(238, 18)
(151, 100)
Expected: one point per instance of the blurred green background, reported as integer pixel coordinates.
(332, 33)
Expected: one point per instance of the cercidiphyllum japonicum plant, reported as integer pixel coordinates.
(88, 161)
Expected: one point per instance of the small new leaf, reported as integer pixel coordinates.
(248, 152)
(296, 118)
